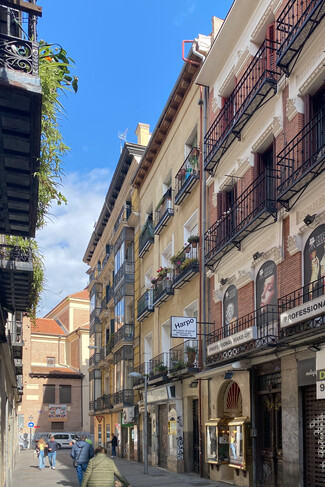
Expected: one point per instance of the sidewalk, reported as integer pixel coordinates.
(28, 475)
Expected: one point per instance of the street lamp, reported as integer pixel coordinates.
(137, 375)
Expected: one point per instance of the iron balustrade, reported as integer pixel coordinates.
(187, 175)
(185, 265)
(123, 397)
(164, 212)
(126, 332)
(142, 369)
(185, 355)
(266, 321)
(258, 79)
(297, 21)
(145, 304)
(159, 365)
(251, 208)
(302, 159)
(94, 359)
(126, 271)
(146, 238)
(162, 289)
(15, 254)
(302, 295)
(18, 46)
(123, 216)
(15, 328)
(104, 402)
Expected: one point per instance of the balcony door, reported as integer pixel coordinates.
(265, 182)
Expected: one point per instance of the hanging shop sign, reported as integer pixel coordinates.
(183, 327)
(303, 312)
(234, 340)
(306, 372)
(320, 374)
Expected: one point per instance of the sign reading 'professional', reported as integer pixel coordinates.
(234, 340)
(183, 327)
(303, 312)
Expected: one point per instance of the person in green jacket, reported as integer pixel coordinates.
(101, 470)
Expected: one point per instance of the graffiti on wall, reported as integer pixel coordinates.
(180, 443)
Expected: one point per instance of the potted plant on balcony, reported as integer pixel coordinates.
(191, 354)
(160, 368)
(162, 273)
(188, 263)
(177, 365)
(193, 240)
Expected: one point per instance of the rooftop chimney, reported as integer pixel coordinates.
(143, 133)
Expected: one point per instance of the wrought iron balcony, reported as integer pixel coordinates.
(302, 313)
(249, 334)
(260, 77)
(146, 238)
(123, 216)
(94, 359)
(295, 25)
(18, 366)
(302, 159)
(95, 326)
(159, 366)
(14, 328)
(104, 402)
(251, 208)
(124, 397)
(164, 211)
(16, 275)
(125, 273)
(125, 333)
(186, 265)
(145, 305)
(162, 289)
(187, 176)
(184, 357)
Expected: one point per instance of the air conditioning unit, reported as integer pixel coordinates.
(128, 415)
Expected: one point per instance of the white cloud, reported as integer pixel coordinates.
(64, 240)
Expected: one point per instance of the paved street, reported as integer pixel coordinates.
(28, 475)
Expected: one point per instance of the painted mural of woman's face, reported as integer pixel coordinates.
(268, 293)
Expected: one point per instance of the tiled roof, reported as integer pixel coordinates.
(55, 371)
(80, 295)
(47, 326)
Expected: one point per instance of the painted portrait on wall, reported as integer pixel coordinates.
(266, 287)
(230, 308)
(314, 263)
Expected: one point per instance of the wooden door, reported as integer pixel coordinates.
(163, 435)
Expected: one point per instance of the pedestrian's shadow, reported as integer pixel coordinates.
(64, 482)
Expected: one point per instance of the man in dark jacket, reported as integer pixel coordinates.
(52, 448)
(81, 453)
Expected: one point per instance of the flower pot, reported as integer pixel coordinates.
(194, 245)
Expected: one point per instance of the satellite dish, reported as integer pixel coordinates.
(122, 137)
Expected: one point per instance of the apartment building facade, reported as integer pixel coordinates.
(110, 255)
(55, 371)
(20, 116)
(262, 389)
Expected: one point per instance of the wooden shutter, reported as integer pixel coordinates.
(270, 49)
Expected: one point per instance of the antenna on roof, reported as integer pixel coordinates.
(122, 137)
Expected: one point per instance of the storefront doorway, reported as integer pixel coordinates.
(163, 434)
(314, 437)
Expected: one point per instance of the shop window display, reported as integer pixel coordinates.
(217, 437)
(237, 443)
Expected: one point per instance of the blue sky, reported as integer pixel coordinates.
(128, 56)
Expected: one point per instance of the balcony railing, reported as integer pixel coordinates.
(159, 365)
(302, 159)
(162, 289)
(184, 356)
(304, 311)
(296, 23)
(12, 253)
(187, 176)
(251, 209)
(258, 80)
(94, 359)
(247, 334)
(18, 47)
(164, 211)
(125, 333)
(146, 238)
(123, 216)
(125, 272)
(124, 397)
(145, 305)
(186, 266)
(104, 402)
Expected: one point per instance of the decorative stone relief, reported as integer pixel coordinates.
(311, 209)
(275, 127)
(228, 82)
(242, 58)
(294, 106)
(214, 199)
(312, 70)
(214, 105)
(275, 254)
(293, 244)
(243, 277)
(215, 296)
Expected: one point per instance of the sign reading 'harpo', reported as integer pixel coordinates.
(183, 327)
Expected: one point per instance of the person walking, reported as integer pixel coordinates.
(81, 453)
(114, 443)
(41, 445)
(101, 471)
(52, 448)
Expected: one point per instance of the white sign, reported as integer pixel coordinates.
(183, 327)
(158, 394)
(234, 340)
(303, 312)
(320, 374)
